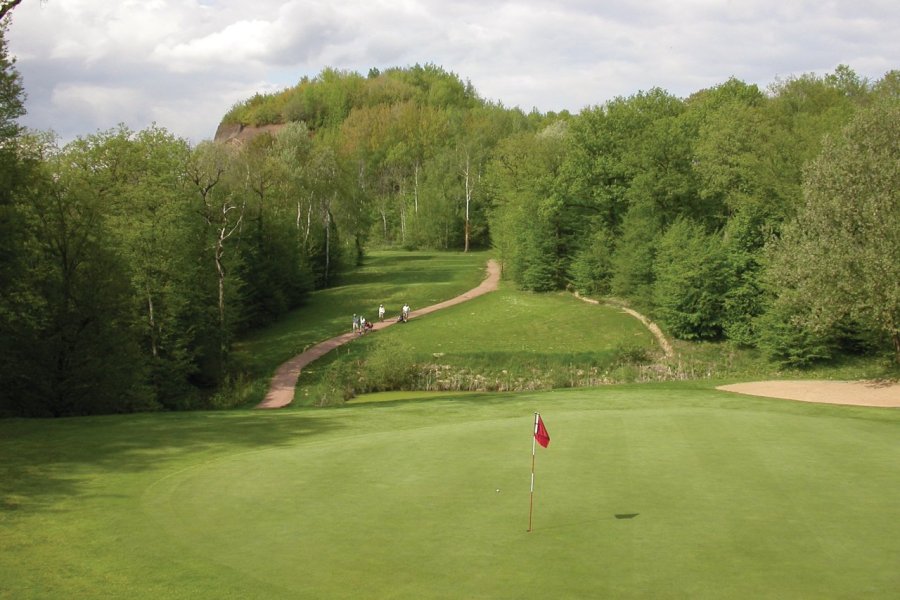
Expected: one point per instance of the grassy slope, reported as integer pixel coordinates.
(731, 496)
(392, 278)
(515, 326)
(509, 336)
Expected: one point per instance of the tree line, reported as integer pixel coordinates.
(131, 260)
(767, 218)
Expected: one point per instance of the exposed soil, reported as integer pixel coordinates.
(281, 389)
(853, 393)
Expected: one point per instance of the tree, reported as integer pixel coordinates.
(83, 353)
(591, 267)
(223, 213)
(689, 287)
(529, 218)
(12, 95)
(840, 259)
(8, 5)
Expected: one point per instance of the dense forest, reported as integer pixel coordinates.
(131, 260)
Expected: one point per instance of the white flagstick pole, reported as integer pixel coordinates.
(531, 500)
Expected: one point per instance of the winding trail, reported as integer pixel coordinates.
(281, 389)
(653, 327)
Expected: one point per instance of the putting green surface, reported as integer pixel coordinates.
(649, 491)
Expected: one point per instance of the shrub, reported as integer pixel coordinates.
(390, 366)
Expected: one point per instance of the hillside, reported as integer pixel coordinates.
(235, 132)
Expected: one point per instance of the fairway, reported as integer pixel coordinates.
(659, 490)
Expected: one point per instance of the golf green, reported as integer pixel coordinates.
(660, 490)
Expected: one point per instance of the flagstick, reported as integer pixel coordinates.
(531, 500)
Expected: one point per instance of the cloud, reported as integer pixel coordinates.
(90, 64)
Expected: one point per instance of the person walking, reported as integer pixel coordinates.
(355, 323)
(381, 312)
(406, 312)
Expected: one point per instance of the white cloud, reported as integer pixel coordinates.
(90, 64)
(96, 103)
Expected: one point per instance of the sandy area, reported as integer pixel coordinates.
(853, 393)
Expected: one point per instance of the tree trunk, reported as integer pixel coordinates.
(220, 272)
(152, 322)
(327, 243)
(468, 179)
(308, 223)
(416, 190)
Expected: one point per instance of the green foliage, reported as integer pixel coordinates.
(339, 383)
(534, 231)
(326, 100)
(80, 350)
(690, 281)
(390, 365)
(840, 260)
(591, 267)
(784, 339)
(136, 241)
(744, 297)
(12, 94)
(635, 254)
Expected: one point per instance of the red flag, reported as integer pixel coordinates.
(540, 433)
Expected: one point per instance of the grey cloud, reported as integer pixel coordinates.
(566, 55)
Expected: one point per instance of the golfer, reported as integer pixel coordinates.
(381, 312)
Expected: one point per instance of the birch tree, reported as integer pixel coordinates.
(223, 213)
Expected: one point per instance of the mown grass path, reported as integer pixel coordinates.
(281, 389)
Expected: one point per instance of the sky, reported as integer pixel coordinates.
(89, 65)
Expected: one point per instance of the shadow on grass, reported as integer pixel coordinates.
(44, 462)
(582, 523)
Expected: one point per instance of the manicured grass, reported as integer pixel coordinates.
(651, 491)
(522, 325)
(507, 339)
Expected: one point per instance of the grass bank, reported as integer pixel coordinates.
(388, 277)
(508, 340)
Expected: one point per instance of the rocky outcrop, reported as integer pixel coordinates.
(228, 133)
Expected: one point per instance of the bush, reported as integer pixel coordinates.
(390, 366)
(340, 383)
(629, 354)
(690, 282)
(591, 269)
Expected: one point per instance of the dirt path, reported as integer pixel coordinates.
(281, 389)
(852, 393)
(653, 327)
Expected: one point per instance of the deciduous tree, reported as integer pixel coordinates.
(840, 259)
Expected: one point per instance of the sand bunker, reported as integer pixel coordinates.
(853, 393)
